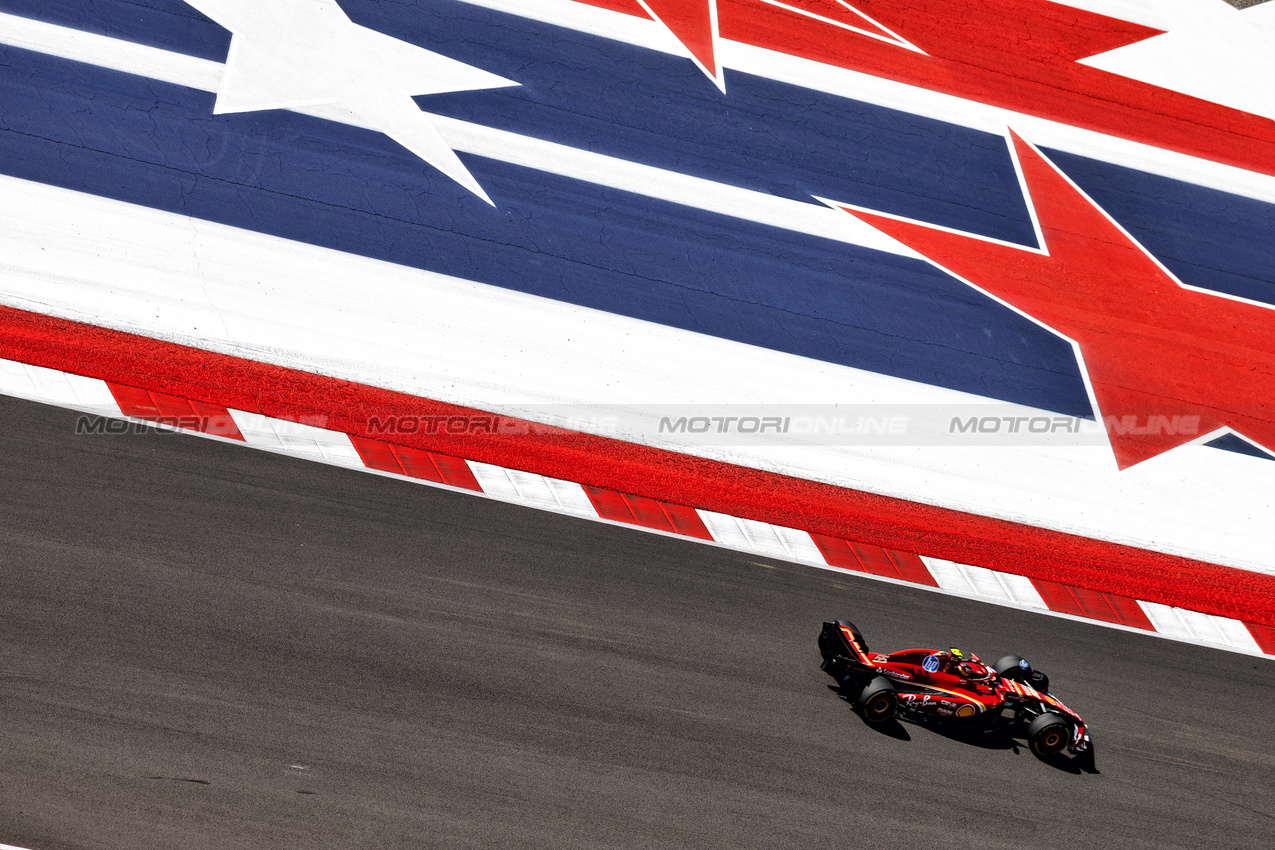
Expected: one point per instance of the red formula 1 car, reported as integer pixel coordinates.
(954, 690)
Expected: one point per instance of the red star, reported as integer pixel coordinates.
(694, 23)
(1155, 354)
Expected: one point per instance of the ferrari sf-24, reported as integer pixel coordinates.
(948, 688)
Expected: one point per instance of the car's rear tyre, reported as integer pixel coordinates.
(878, 700)
(1048, 734)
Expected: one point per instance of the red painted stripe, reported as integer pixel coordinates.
(1095, 605)
(174, 411)
(454, 471)
(646, 512)
(415, 463)
(1014, 54)
(912, 568)
(873, 560)
(1264, 635)
(640, 470)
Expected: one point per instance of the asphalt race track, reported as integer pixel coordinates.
(205, 646)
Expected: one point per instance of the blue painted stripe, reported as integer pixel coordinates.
(166, 24)
(645, 106)
(1232, 443)
(136, 140)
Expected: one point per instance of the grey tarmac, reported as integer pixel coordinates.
(205, 646)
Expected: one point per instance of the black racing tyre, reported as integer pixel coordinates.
(1011, 667)
(878, 700)
(1048, 734)
(1015, 668)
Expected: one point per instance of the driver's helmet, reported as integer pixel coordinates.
(959, 662)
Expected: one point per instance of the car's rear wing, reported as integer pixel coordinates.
(842, 638)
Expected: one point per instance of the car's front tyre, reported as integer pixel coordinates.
(1015, 668)
(1048, 734)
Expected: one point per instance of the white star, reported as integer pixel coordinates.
(291, 54)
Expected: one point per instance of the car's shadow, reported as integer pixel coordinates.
(890, 728)
(898, 729)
